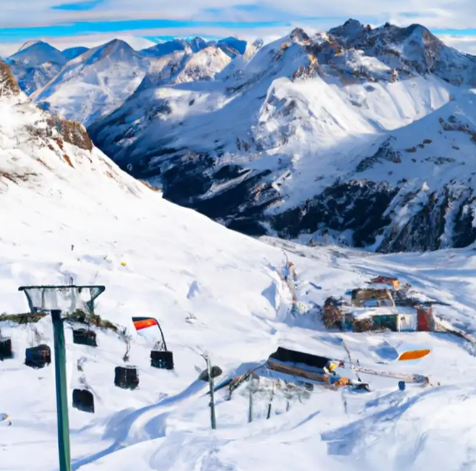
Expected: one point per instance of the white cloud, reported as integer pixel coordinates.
(463, 43)
(137, 41)
(433, 13)
(312, 15)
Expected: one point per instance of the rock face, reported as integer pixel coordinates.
(39, 149)
(8, 83)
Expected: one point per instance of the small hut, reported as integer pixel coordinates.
(425, 319)
(369, 297)
(386, 280)
(399, 319)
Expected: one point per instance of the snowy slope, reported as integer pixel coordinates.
(182, 67)
(271, 134)
(179, 262)
(94, 83)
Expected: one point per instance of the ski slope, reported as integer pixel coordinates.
(180, 262)
(69, 212)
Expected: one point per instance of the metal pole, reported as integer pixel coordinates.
(212, 395)
(270, 403)
(61, 395)
(250, 406)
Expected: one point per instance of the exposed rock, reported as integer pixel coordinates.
(357, 206)
(8, 83)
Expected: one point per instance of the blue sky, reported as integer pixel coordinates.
(76, 22)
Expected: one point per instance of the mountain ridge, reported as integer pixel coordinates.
(288, 124)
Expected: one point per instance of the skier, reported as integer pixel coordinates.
(332, 365)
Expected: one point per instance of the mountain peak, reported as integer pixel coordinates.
(299, 35)
(116, 49)
(29, 44)
(350, 30)
(197, 44)
(117, 44)
(35, 53)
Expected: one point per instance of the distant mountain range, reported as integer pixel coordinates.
(364, 136)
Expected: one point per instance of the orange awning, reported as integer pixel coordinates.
(413, 355)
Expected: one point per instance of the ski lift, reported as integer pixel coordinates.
(126, 377)
(84, 337)
(38, 357)
(83, 400)
(5, 348)
(160, 357)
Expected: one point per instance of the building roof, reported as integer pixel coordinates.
(365, 312)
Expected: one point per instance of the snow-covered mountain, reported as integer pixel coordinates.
(182, 67)
(231, 46)
(411, 189)
(94, 83)
(270, 137)
(167, 47)
(35, 53)
(86, 84)
(67, 211)
(35, 64)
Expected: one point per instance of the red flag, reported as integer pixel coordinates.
(144, 322)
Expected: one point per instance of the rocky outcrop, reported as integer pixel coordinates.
(8, 83)
(356, 206)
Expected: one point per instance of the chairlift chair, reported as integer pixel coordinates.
(83, 400)
(160, 357)
(5, 348)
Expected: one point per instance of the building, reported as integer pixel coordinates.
(396, 319)
(385, 280)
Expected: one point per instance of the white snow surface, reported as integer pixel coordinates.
(178, 262)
